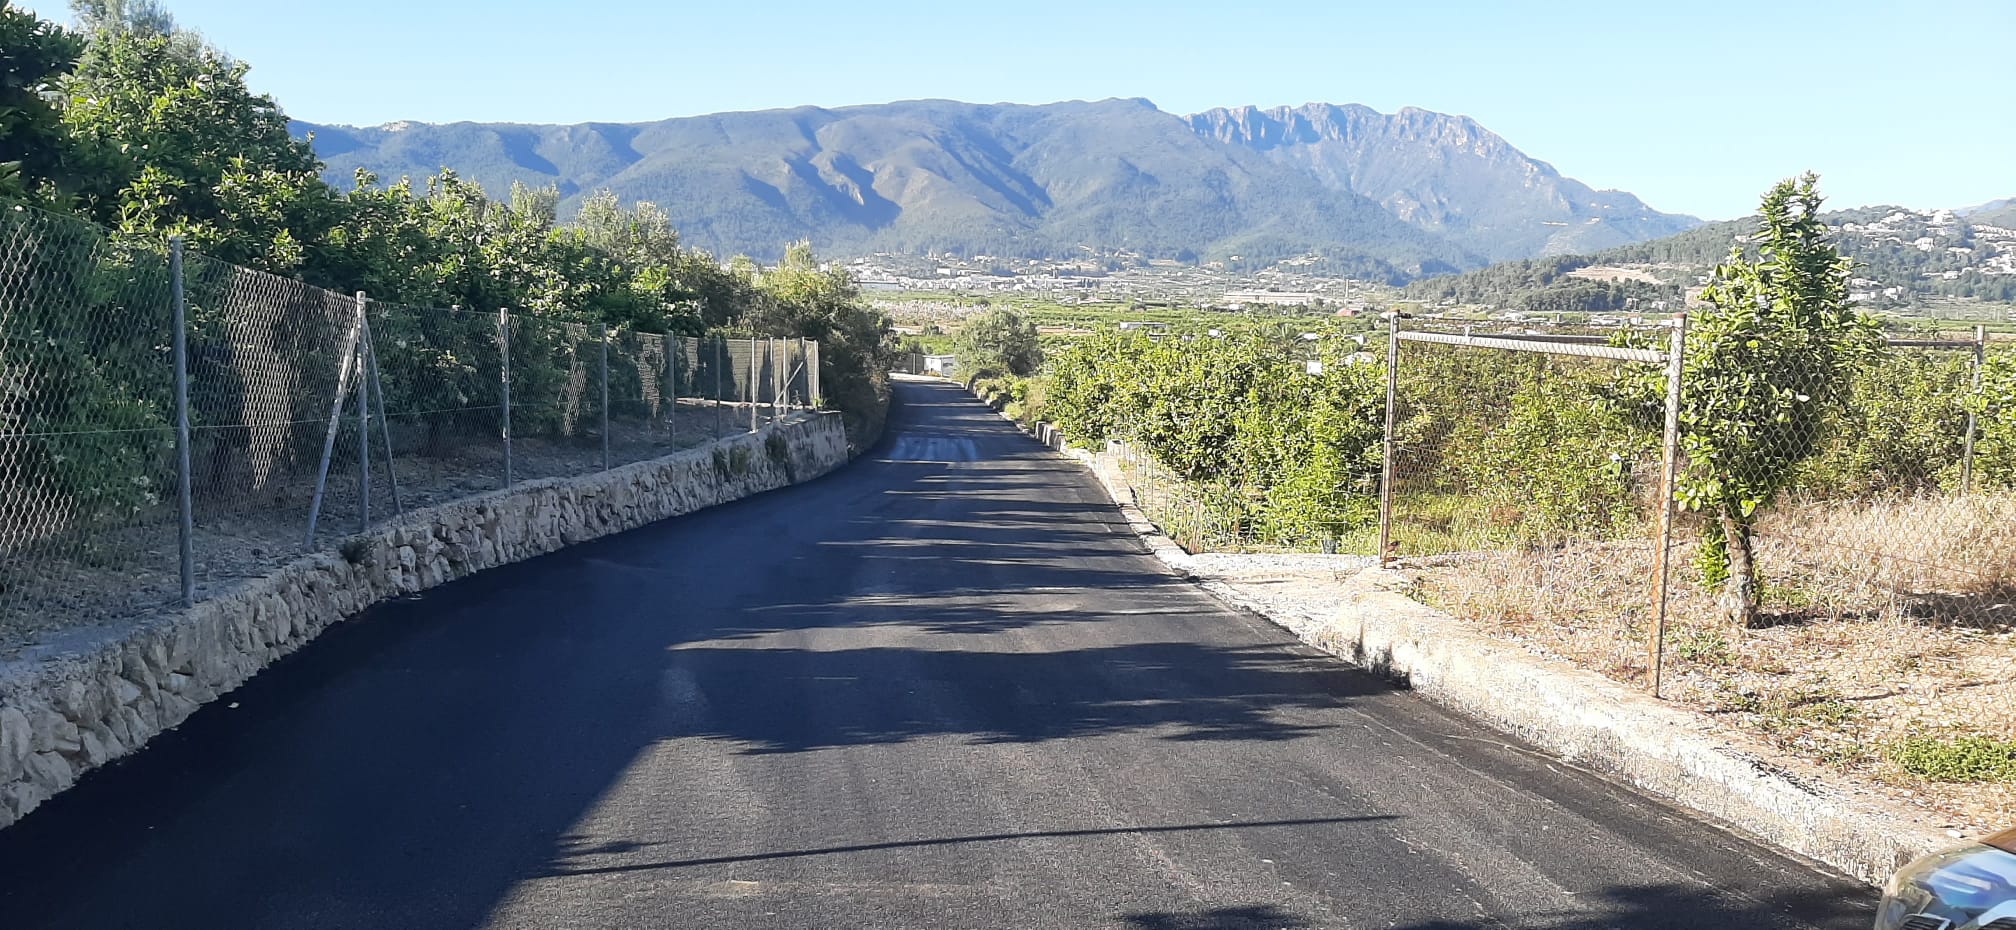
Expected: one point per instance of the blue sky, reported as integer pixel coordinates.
(1694, 105)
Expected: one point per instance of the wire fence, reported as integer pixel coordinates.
(1237, 518)
(1569, 495)
(306, 415)
(1875, 544)
(1514, 443)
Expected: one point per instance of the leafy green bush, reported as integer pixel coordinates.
(1995, 408)
(1969, 758)
(1900, 429)
(1271, 450)
(1557, 465)
(1000, 339)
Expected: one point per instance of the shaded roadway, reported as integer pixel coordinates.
(943, 687)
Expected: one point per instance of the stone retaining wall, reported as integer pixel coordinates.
(68, 708)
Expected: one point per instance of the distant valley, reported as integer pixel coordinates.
(1340, 189)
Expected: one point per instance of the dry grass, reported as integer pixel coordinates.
(1883, 621)
(1943, 560)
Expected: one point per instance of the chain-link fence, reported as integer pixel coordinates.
(1520, 464)
(1810, 534)
(309, 415)
(1840, 571)
(1238, 518)
(1881, 561)
(87, 427)
(1888, 511)
(1511, 443)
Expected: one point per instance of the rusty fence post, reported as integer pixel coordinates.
(1386, 447)
(1669, 464)
(1967, 447)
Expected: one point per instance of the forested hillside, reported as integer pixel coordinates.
(923, 176)
(1994, 213)
(1392, 197)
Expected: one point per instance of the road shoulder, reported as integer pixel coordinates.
(1364, 616)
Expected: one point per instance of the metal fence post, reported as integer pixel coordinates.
(185, 501)
(813, 367)
(752, 384)
(776, 377)
(718, 399)
(1669, 464)
(605, 396)
(671, 393)
(348, 356)
(504, 350)
(377, 387)
(363, 430)
(1967, 447)
(1386, 447)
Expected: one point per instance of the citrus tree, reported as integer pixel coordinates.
(1768, 358)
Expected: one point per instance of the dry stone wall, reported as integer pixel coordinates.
(68, 708)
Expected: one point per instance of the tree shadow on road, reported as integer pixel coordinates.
(415, 765)
(1247, 917)
(1630, 907)
(818, 699)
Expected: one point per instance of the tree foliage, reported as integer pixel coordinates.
(179, 146)
(1766, 362)
(1995, 410)
(1289, 454)
(1899, 431)
(1000, 340)
(137, 124)
(35, 150)
(800, 298)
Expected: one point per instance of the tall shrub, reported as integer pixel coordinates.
(1766, 362)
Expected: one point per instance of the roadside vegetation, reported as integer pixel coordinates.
(139, 125)
(1838, 596)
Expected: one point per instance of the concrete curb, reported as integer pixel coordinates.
(84, 701)
(1582, 717)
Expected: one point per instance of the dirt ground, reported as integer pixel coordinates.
(1853, 686)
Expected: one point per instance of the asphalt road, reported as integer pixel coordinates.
(943, 687)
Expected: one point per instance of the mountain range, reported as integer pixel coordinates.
(1993, 213)
(1397, 196)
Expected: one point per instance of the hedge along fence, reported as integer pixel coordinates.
(1246, 442)
(171, 424)
(1525, 493)
(1279, 443)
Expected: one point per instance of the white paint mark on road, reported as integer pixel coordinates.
(942, 449)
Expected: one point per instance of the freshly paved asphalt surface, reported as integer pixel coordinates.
(943, 687)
